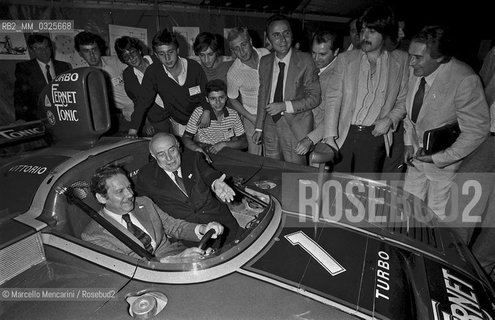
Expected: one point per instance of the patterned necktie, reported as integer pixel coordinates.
(138, 233)
(179, 182)
(418, 100)
(48, 74)
(279, 89)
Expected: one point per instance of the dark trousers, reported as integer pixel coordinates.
(362, 152)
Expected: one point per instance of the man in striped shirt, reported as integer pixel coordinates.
(225, 130)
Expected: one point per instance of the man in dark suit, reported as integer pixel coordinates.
(140, 219)
(182, 185)
(32, 76)
(289, 89)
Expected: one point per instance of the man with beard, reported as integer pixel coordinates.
(366, 97)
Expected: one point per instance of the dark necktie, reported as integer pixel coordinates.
(418, 100)
(138, 233)
(279, 89)
(48, 74)
(179, 182)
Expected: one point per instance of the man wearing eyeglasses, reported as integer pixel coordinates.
(185, 186)
(91, 47)
(33, 75)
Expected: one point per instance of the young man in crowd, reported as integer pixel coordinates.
(91, 47)
(180, 82)
(225, 129)
(243, 81)
(207, 47)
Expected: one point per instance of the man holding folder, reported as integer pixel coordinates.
(441, 91)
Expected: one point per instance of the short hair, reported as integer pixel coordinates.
(381, 19)
(126, 43)
(85, 38)
(162, 135)
(236, 32)
(276, 17)
(38, 38)
(99, 179)
(215, 86)
(327, 36)
(438, 41)
(206, 40)
(164, 37)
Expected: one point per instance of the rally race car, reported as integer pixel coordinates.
(315, 246)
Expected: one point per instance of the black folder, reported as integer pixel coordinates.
(441, 138)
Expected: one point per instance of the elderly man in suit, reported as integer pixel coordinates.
(366, 96)
(325, 48)
(140, 219)
(442, 90)
(185, 186)
(32, 76)
(289, 90)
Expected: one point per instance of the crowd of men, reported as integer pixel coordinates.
(372, 103)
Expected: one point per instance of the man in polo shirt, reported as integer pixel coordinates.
(225, 130)
(180, 82)
(243, 81)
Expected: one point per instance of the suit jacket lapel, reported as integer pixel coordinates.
(269, 71)
(38, 73)
(142, 215)
(188, 175)
(292, 72)
(165, 183)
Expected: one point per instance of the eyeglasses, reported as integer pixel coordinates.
(127, 55)
(40, 48)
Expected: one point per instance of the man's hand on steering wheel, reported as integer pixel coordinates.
(215, 226)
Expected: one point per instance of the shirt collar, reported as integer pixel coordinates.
(326, 67)
(171, 173)
(286, 59)
(43, 65)
(183, 71)
(114, 216)
(432, 76)
(138, 72)
(213, 116)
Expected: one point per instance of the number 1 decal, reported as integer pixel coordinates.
(317, 252)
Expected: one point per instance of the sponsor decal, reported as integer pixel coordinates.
(462, 301)
(50, 117)
(67, 77)
(62, 100)
(24, 168)
(21, 132)
(382, 276)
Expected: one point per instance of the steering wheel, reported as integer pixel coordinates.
(205, 239)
